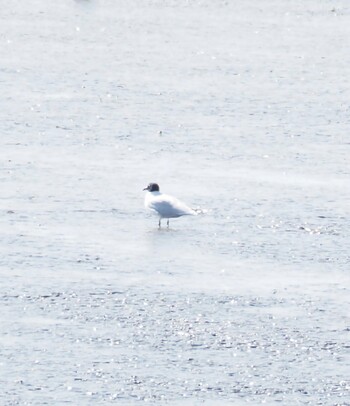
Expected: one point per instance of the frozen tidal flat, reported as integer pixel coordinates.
(247, 304)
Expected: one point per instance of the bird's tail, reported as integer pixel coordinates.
(198, 211)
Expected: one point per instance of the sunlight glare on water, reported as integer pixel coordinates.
(237, 108)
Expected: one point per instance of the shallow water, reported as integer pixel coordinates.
(237, 108)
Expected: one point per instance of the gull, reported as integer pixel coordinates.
(165, 206)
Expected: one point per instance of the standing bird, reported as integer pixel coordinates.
(165, 206)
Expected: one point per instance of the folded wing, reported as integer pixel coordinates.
(169, 207)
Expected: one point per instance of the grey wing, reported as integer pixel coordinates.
(164, 208)
(169, 207)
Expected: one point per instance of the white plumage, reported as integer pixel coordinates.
(165, 206)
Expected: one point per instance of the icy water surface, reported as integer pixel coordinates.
(240, 108)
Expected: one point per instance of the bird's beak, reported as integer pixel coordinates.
(146, 188)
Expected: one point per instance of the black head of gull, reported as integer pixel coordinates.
(152, 187)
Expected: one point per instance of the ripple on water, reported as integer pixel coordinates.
(146, 345)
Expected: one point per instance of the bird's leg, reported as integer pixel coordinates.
(159, 224)
(167, 223)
